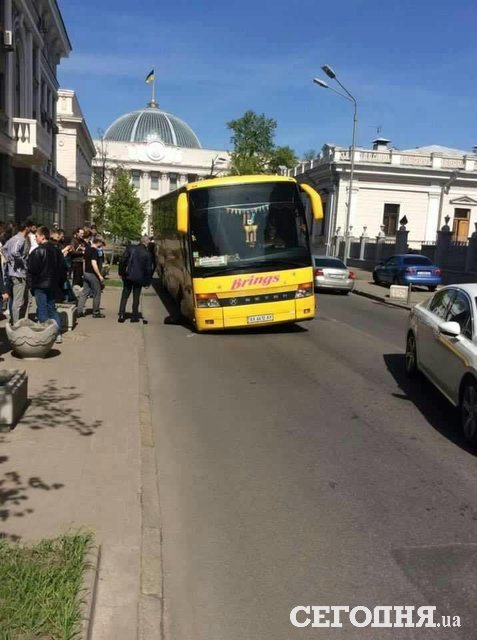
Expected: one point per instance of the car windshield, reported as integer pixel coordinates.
(332, 263)
(417, 260)
(248, 226)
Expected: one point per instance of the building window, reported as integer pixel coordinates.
(136, 179)
(172, 181)
(390, 218)
(154, 181)
(192, 177)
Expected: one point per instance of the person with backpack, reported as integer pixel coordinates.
(135, 269)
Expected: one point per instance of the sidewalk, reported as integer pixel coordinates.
(364, 286)
(74, 460)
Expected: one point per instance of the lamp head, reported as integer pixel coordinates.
(320, 83)
(329, 71)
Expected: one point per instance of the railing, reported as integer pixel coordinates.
(24, 134)
(390, 156)
(452, 163)
(416, 160)
(375, 156)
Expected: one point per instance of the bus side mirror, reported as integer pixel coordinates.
(316, 204)
(182, 213)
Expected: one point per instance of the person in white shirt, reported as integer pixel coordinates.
(32, 243)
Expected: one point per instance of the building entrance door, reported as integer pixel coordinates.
(460, 231)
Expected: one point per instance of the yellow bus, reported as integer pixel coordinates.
(235, 252)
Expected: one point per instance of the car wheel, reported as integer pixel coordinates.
(432, 289)
(376, 280)
(411, 356)
(468, 411)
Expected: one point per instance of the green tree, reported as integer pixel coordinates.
(124, 211)
(253, 142)
(254, 150)
(310, 155)
(282, 157)
(102, 182)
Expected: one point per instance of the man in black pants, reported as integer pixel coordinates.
(92, 280)
(136, 269)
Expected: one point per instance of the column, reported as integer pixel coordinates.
(29, 74)
(444, 239)
(432, 215)
(362, 247)
(401, 240)
(164, 184)
(471, 254)
(9, 75)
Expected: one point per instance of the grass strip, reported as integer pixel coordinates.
(41, 588)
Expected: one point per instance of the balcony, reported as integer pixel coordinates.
(33, 144)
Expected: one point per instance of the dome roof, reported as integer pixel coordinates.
(147, 125)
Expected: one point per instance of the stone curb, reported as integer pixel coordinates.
(377, 298)
(151, 598)
(90, 582)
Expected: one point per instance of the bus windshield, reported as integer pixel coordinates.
(253, 226)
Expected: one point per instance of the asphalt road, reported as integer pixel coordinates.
(298, 466)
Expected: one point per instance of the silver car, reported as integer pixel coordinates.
(441, 342)
(332, 273)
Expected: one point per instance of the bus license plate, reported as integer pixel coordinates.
(263, 318)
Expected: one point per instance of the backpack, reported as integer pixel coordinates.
(125, 262)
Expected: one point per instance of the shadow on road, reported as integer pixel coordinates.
(14, 493)
(440, 414)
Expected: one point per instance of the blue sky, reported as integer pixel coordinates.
(411, 64)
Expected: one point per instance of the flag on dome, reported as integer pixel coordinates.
(150, 77)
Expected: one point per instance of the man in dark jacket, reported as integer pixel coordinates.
(136, 269)
(45, 271)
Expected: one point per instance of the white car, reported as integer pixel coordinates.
(441, 342)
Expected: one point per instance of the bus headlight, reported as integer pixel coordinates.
(207, 300)
(304, 290)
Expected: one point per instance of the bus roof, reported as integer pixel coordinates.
(228, 180)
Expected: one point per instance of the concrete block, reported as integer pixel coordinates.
(13, 395)
(398, 292)
(68, 314)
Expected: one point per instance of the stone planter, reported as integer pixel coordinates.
(32, 339)
(13, 397)
(68, 315)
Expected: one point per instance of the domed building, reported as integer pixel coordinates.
(161, 152)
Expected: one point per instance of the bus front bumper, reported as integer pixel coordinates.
(253, 315)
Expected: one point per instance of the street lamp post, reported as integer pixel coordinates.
(445, 189)
(347, 95)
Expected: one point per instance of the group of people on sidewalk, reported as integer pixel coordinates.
(36, 262)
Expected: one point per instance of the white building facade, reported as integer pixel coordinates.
(425, 184)
(33, 39)
(160, 151)
(75, 151)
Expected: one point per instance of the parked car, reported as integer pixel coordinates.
(441, 342)
(408, 269)
(332, 273)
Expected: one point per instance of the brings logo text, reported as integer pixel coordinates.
(252, 281)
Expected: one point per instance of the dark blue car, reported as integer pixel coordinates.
(408, 269)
